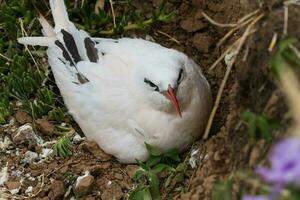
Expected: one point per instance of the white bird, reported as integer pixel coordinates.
(125, 92)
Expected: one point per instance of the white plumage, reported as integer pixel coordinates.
(125, 92)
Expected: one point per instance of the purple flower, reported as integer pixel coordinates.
(248, 197)
(285, 164)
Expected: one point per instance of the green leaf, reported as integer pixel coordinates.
(264, 128)
(153, 150)
(259, 126)
(249, 118)
(285, 57)
(141, 194)
(182, 167)
(154, 186)
(173, 154)
(153, 160)
(169, 180)
(147, 195)
(62, 147)
(160, 168)
(138, 175)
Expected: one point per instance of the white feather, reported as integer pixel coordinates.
(47, 28)
(60, 15)
(41, 41)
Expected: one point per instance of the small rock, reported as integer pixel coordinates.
(77, 138)
(24, 134)
(118, 176)
(57, 190)
(29, 189)
(46, 127)
(23, 118)
(83, 184)
(217, 156)
(192, 24)
(12, 185)
(106, 165)
(94, 149)
(16, 173)
(202, 42)
(112, 191)
(216, 7)
(30, 157)
(45, 153)
(131, 169)
(6, 144)
(95, 170)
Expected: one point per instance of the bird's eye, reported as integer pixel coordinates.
(180, 77)
(155, 87)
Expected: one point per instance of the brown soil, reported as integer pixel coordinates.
(250, 87)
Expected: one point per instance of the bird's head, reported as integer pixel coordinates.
(164, 82)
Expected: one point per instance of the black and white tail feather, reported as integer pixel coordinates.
(66, 43)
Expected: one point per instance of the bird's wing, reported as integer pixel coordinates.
(66, 43)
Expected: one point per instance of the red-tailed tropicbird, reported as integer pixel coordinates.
(125, 92)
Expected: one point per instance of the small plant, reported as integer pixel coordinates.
(62, 147)
(42, 104)
(259, 126)
(286, 56)
(147, 178)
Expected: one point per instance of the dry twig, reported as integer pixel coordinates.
(241, 23)
(6, 58)
(217, 23)
(273, 42)
(286, 18)
(291, 88)
(113, 13)
(229, 67)
(228, 50)
(168, 36)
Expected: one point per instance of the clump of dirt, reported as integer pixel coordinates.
(92, 174)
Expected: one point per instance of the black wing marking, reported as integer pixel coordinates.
(71, 45)
(81, 78)
(65, 52)
(91, 51)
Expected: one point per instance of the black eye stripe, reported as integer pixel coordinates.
(151, 84)
(180, 75)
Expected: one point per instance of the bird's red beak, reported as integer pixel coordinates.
(171, 93)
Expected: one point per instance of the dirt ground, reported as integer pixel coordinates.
(250, 87)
